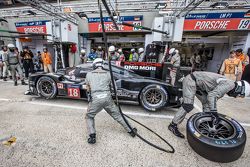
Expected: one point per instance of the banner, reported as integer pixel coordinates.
(217, 22)
(38, 27)
(96, 27)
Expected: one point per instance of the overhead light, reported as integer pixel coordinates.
(29, 12)
(161, 5)
(82, 15)
(220, 5)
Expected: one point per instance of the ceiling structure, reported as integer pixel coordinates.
(90, 6)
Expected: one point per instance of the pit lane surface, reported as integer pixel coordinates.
(53, 133)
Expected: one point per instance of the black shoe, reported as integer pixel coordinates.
(4, 78)
(23, 83)
(11, 77)
(133, 132)
(174, 129)
(1, 77)
(15, 83)
(92, 138)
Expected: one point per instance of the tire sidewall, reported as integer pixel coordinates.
(147, 106)
(219, 150)
(38, 85)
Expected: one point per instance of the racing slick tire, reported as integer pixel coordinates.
(46, 87)
(153, 97)
(224, 142)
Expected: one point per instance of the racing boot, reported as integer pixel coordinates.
(4, 78)
(1, 77)
(92, 138)
(23, 83)
(174, 129)
(10, 77)
(133, 132)
(15, 83)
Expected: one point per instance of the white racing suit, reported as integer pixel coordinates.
(176, 61)
(207, 87)
(99, 82)
(14, 66)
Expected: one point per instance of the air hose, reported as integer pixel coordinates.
(171, 150)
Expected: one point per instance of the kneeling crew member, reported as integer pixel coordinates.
(208, 88)
(98, 84)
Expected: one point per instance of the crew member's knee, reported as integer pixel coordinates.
(188, 107)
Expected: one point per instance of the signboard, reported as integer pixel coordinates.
(32, 27)
(217, 21)
(96, 27)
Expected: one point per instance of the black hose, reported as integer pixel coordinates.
(172, 150)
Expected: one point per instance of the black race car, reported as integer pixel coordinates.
(151, 93)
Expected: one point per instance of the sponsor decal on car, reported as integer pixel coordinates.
(60, 86)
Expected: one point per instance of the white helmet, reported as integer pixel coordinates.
(132, 50)
(140, 50)
(98, 62)
(10, 45)
(173, 51)
(111, 48)
(83, 51)
(99, 47)
(120, 50)
(241, 89)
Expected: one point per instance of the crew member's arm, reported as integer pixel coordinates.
(222, 69)
(223, 87)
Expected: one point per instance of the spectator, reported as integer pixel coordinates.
(243, 58)
(92, 55)
(27, 57)
(47, 60)
(232, 67)
(195, 61)
(133, 57)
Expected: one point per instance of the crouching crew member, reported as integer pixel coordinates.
(13, 64)
(98, 84)
(208, 88)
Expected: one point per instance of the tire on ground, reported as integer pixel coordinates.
(46, 82)
(158, 104)
(224, 149)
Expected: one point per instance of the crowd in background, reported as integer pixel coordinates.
(15, 64)
(116, 54)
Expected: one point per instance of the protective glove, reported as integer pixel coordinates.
(89, 97)
(215, 118)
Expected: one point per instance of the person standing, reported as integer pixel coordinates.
(27, 57)
(99, 52)
(133, 57)
(47, 60)
(176, 62)
(5, 71)
(208, 88)
(141, 54)
(231, 67)
(98, 84)
(1, 63)
(121, 55)
(13, 64)
(83, 58)
(243, 58)
(92, 55)
(113, 54)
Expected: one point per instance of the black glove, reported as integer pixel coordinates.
(215, 118)
(89, 97)
(9, 68)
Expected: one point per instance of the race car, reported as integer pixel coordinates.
(150, 93)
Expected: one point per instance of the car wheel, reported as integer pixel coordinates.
(153, 97)
(46, 87)
(224, 142)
